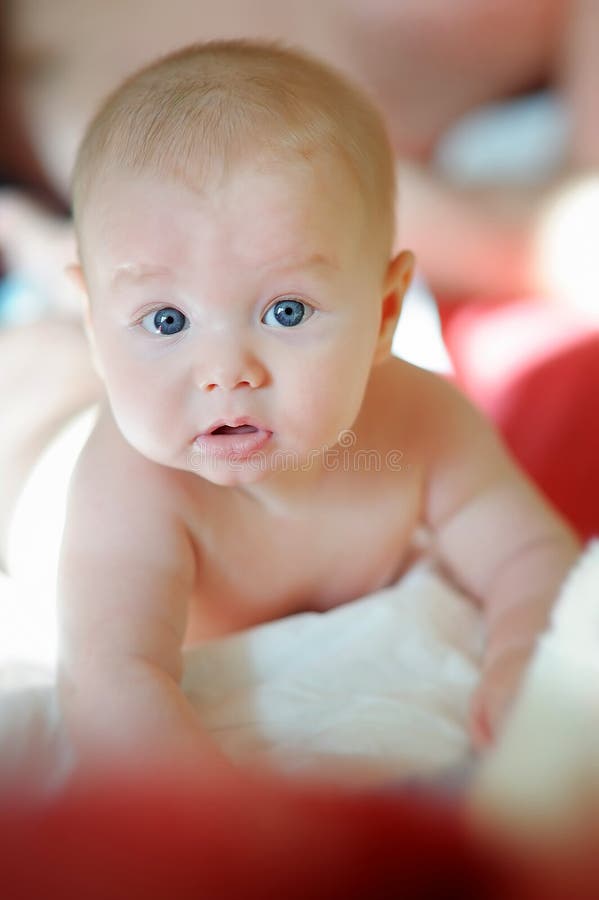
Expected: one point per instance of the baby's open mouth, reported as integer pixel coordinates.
(238, 441)
(234, 429)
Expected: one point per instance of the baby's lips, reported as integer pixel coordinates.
(233, 422)
(231, 445)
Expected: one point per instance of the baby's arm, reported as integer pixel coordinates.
(501, 541)
(126, 573)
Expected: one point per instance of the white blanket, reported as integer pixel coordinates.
(384, 680)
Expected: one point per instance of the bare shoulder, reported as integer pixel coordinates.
(428, 413)
(481, 508)
(463, 457)
(127, 499)
(127, 563)
(399, 378)
(454, 447)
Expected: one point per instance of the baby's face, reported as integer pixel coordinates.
(252, 308)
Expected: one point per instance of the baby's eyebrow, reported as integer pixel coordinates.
(136, 272)
(289, 264)
(139, 272)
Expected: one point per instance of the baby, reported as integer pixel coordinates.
(259, 452)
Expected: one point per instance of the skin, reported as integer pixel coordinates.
(190, 554)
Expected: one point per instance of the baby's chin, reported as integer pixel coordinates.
(233, 473)
(259, 467)
(230, 479)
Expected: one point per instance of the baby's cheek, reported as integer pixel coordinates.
(341, 384)
(148, 422)
(323, 413)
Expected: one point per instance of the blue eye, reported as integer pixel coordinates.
(164, 321)
(288, 313)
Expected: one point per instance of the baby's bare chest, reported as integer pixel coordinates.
(254, 566)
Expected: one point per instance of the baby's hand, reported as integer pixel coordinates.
(495, 694)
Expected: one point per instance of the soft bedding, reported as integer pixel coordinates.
(379, 688)
(130, 836)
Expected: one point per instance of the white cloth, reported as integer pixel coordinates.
(384, 679)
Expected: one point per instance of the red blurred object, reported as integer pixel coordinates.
(534, 369)
(226, 836)
(242, 837)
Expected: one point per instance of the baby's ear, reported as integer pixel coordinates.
(75, 274)
(397, 280)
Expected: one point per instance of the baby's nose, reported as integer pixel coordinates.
(235, 371)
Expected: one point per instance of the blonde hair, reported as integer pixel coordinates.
(208, 106)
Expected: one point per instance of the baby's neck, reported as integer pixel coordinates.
(287, 493)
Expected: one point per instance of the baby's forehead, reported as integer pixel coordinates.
(211, 106)
(261, 229)
(265, 205)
